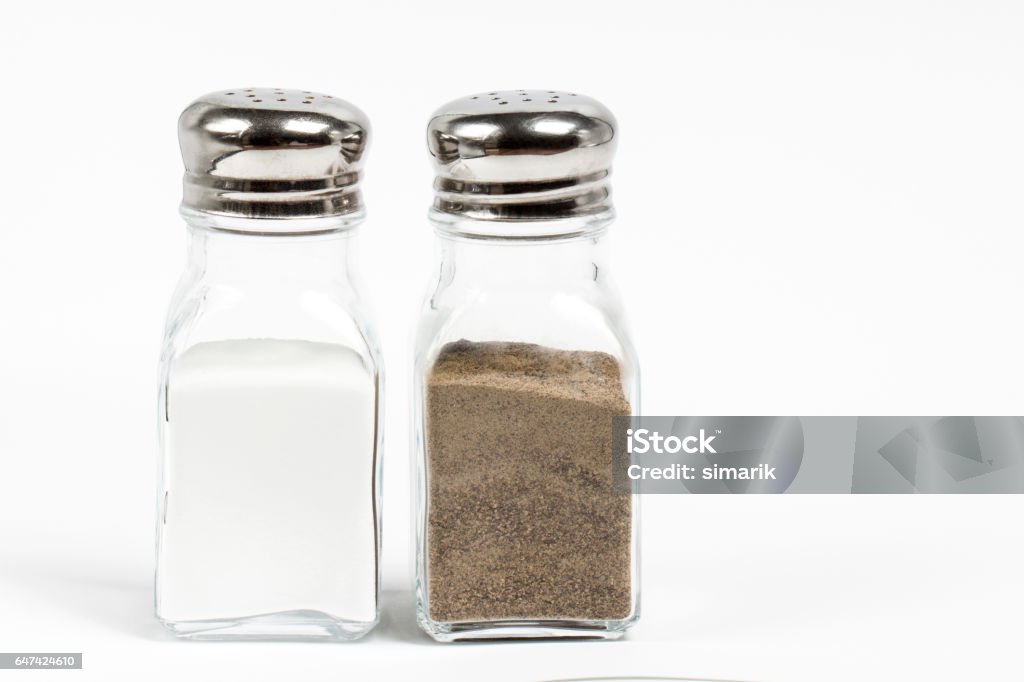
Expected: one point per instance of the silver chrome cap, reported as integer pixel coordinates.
(272, 153)
(522, 155)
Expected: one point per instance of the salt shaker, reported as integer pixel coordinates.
(270, 394)
(522, 361)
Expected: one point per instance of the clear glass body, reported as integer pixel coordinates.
(268, 506)
(510, 520)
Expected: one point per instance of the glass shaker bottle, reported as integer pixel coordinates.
(522, 360)
(270, 394)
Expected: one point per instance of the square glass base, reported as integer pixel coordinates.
(538, 629)
(286, 626)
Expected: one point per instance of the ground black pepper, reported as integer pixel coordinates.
(522, 523)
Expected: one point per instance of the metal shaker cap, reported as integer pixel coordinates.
(272, 153)
(522, 155)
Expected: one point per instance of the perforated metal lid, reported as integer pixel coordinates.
(522, 155)
(272, 153)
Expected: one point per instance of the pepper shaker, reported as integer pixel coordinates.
(270, 391)
(522, 361)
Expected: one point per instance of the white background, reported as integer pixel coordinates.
(819, 213)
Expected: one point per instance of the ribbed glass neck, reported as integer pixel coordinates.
(448, 224)
(271, 227)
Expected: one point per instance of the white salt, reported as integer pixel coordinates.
(269, 479)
